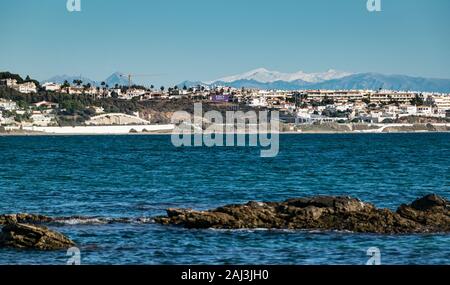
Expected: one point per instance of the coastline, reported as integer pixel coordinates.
(37, 134)
(169, 129)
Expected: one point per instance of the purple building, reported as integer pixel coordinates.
(220, 98)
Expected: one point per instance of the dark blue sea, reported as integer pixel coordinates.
(141, 176)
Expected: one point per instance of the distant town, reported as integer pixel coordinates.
(26, 104)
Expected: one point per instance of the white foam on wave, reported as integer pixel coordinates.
(103, 221)
(310, 231)
(82, 221)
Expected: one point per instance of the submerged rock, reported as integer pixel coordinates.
(33, 237)
(428, 214)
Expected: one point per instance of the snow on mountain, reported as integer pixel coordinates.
(372, 81)
(263, 75)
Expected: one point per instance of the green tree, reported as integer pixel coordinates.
(65, 84)
(417, 100)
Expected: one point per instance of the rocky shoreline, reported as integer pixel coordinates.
(429, 214)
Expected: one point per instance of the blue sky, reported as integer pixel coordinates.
(208, 39)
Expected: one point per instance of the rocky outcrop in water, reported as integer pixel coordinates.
(27, 231)
(432, 212)
(428, 214)
(32, 237)
(24, 218)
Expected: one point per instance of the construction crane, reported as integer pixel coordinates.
(129, 76)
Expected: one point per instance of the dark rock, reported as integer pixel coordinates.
(32, 237)
(429, 214)
(24, 218)
(339, 203)
(428, 202)
(177, 212)
(431, 211)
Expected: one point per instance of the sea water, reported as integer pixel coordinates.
(140, 176)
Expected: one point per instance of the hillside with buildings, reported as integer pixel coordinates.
(26, 102)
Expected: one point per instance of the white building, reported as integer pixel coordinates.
(409, 110)
(50, 86)
(336, 95)
(46, 104)
(442, 102)
(343, 107)
(42, 120)
(117, 91)
(6, 121)
(8, 105)
(425, 111)
(258, 102)
(26, 87)
(92, 90)
(387, 96)
(9, 82)
(132, 92)
(76, 90)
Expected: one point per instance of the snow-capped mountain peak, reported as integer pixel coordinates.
(259, 74)
(267, 76)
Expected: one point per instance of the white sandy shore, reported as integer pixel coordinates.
(169, 128)
(101, 130)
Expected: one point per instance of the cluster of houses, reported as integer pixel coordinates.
(380, 106)
(26, 87)
(305, 106)
(40, 114)
(318, 106)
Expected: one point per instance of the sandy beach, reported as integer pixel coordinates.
(169, 129)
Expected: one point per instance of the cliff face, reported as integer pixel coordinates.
(160, 112)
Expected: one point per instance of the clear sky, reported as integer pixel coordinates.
(208, 39)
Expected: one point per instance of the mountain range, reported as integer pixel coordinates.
(266, 76)
(115, 78)
(265, 79)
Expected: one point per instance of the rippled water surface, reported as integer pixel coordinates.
(141, 176)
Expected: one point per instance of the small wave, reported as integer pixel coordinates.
(144, 220)
(308, 231)
(240, 230)
(82, 221)
(102, 220)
